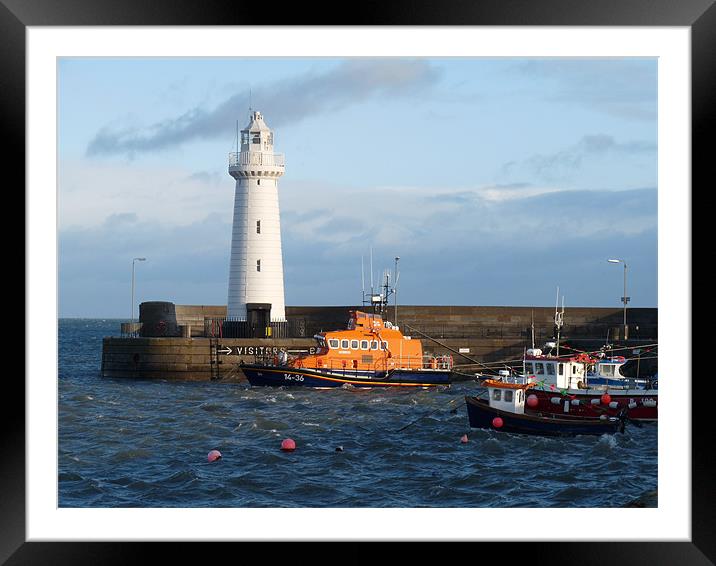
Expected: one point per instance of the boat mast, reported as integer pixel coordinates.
(558, 318)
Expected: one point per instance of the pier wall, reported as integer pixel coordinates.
(482, 334)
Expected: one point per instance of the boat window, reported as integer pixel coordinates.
(258, 265)
(529, 368)
(496, 394)
(354, 344)
(519, 395)
(550, 369)
(508, 396)
(383, 345)
(607, 370)
(574, 369)
(258, 226)
(374, 345)
(364, 344)
(540, 368)
(561, 369)
(344, 343)
(333, 343)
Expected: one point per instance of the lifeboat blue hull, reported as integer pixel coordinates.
(262, 375)
(481, 415)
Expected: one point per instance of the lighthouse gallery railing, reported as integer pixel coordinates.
(250, 158)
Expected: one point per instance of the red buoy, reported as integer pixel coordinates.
(497, 422)
(463, 439)
(288, 445)
(606, 399)
(213, 456)
(532, 401)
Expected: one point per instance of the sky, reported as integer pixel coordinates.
(495, 180)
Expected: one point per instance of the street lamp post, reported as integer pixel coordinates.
(625, 299)
(133, 261)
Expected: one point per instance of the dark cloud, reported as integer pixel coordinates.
(512, 252)
(287, 101)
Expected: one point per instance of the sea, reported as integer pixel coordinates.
(145, 443)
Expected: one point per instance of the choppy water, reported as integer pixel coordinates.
(144, 443)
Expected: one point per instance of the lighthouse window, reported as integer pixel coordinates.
(354, 344)
(344, 344)
(258, 226)
(258, 265)
(333, 343)
(255, 137)
(244, 138)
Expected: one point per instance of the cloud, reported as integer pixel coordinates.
(456, 247)
(286, 101)
(625, 88)
(91, 191)
(562, 165)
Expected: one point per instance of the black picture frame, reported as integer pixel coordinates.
(17, 15)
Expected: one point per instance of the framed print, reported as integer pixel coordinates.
(66, 67)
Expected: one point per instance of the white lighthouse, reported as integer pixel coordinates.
(256, 269)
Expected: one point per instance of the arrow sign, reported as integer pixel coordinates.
(226, 350)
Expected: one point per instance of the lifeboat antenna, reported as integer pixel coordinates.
(371, 271)
(362, 281)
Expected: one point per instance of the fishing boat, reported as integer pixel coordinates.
(582, 384)
(569, 385)
(370, 352)
(606, 371)
(504, 410)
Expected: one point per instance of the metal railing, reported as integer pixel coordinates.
(242, 328)
(244, 158)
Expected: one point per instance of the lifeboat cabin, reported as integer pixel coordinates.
(368, 346)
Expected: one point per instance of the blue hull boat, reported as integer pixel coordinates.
(267, 375)
(482, 415)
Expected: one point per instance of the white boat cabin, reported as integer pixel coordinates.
(505, 398)
(609, 368)
(563, 373)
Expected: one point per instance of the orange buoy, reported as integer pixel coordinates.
(606, 399)
(532, 401)
(463, 439)
(288, 445)
(213, 456)
(497, 422)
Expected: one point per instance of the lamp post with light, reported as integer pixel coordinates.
(133, 261)
(625, 299)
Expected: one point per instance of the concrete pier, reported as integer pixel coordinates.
(483, 334)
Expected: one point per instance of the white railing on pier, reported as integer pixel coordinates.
(249, 158)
